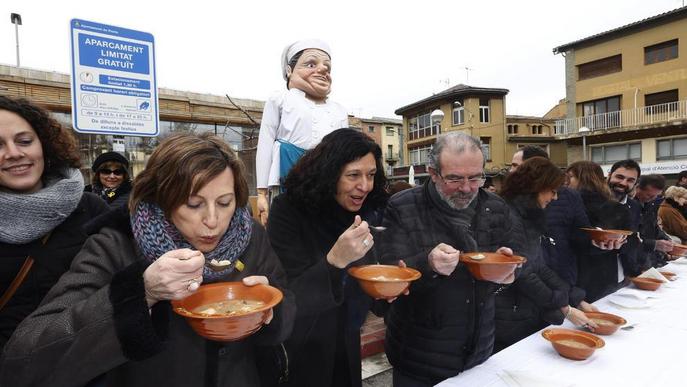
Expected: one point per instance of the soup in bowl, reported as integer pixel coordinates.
(573, 344)
(228, 311)
(646, 283)
(492, 267)
(608, 323)
(384, 281)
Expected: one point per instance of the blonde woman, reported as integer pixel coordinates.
(671, 212)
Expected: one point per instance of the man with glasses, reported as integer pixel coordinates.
(446, 324)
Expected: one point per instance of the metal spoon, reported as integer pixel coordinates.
(629, 327)
(223, 264)
(219, 265)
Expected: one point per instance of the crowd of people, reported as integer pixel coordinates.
(88, 273)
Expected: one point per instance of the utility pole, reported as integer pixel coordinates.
(16, 20)
(467, 74)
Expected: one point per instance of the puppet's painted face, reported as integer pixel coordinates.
(312, 74)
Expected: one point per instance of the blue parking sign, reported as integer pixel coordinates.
(114, 90)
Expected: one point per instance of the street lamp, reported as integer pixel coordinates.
(437, 115)
(584, 130)
(16, 20)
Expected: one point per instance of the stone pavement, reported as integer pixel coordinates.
(376, 370)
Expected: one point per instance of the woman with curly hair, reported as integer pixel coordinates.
(538, 297)
(111, 314)
(318, 228)
(42, 206)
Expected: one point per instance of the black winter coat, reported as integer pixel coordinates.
(535, 298)
(650, 233)
(116, 198)
(96, 320)
(50, 262)
(324, 348)
(598, 269)
(446, 324)
(564, 218)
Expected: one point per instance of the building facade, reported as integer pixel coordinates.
(477, 111)
(626, 95)
(237, 121)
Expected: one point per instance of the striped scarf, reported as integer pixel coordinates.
(155, 236)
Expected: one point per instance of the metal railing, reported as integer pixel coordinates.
(629, 118)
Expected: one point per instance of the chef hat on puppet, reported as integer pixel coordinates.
(295, 48)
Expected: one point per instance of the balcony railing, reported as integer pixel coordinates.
(629, 118)
(392, 155)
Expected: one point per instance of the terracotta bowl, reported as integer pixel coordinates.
(608, 323)
(573, 344)
(646, 283)
(679, 250)
(383, 281)
(669, 275)
(605, 235)
(222, 327)
(493, 267)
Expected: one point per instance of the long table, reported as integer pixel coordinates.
(651, 354)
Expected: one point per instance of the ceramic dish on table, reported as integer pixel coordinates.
(608, 323)
(572, 344)
(678, 250)
(646, 283)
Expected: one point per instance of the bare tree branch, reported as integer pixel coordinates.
(255, 123)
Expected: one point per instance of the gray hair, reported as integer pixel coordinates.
(457, 142)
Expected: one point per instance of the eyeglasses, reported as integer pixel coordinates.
(105, 171)
(473, 181)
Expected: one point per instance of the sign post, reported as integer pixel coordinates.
(114, 89)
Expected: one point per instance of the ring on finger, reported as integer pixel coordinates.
(193, 285)
(366, 242)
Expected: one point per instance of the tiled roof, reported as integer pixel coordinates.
(649, 22)
(452, 92)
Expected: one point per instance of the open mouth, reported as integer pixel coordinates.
(358, 200)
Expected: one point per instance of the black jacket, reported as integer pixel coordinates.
(324, 348)
(598, 269)
(564, 218)
(446, 324)
(535, 298)
(649, 232)
(95, 321)
(116, 198)
(50, 262)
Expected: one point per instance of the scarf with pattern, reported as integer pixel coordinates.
(155, 235)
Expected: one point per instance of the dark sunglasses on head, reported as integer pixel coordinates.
(117, 172)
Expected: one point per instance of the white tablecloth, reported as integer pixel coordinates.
(651, 354)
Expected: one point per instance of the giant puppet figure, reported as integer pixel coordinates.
(296, 119)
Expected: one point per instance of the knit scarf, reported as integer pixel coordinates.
(29, 216)
(155, 235)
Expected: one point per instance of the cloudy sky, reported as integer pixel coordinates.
(386, 54)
